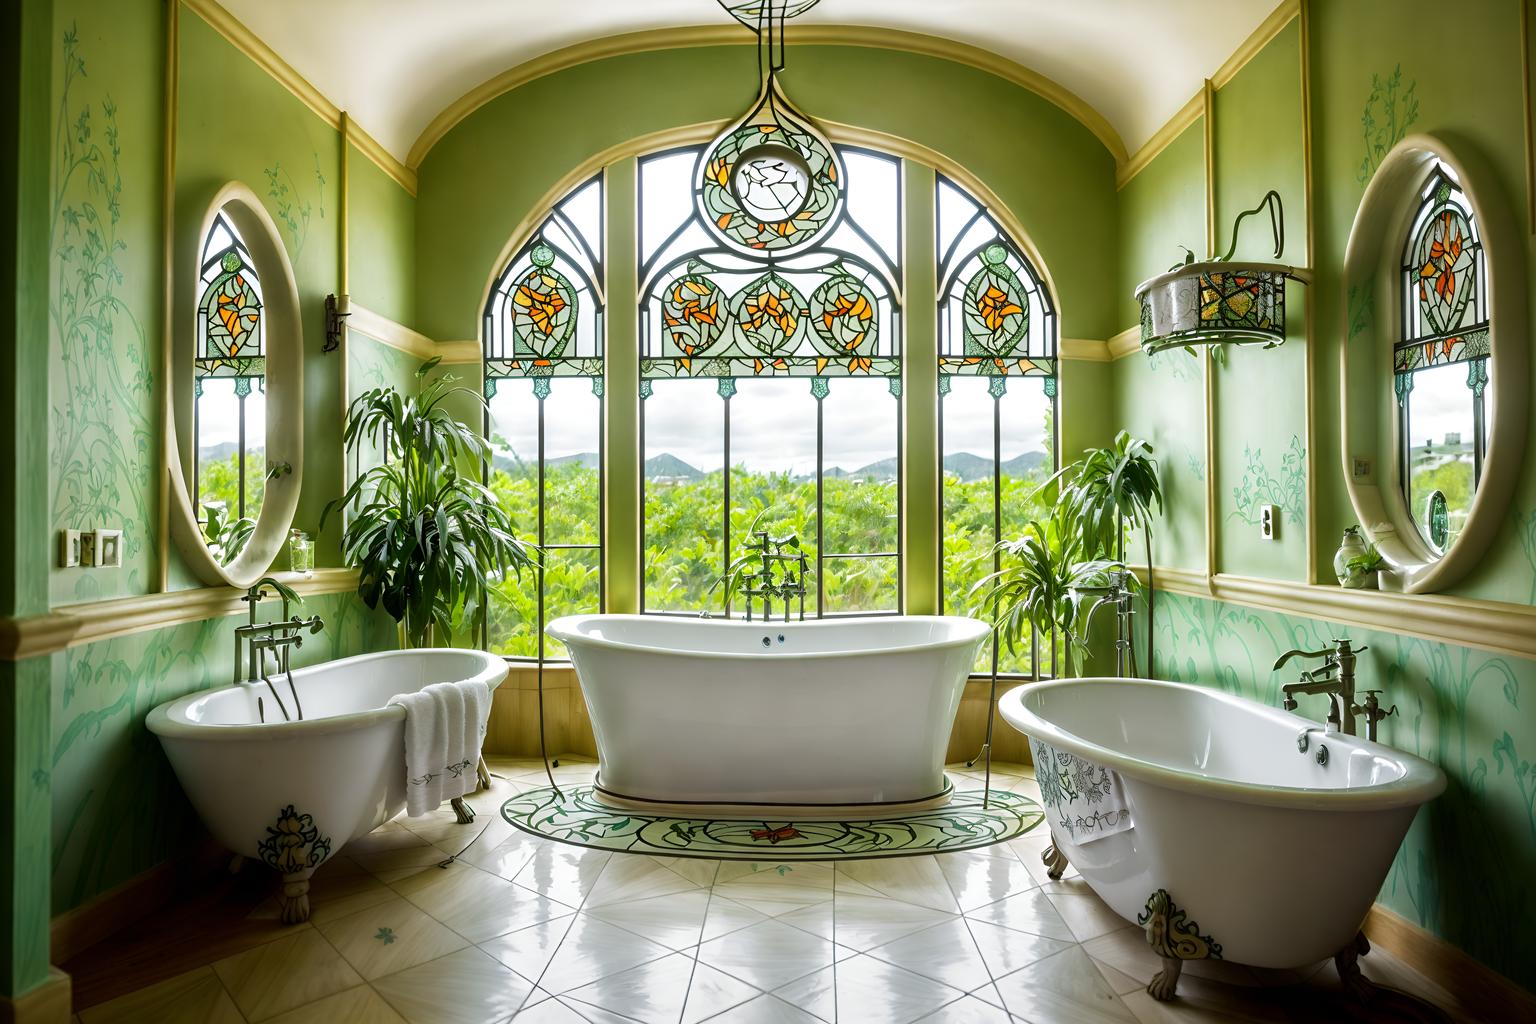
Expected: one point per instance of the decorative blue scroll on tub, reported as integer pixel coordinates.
(1083, 800)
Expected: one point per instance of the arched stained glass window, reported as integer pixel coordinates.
(543, 338)
(997, 388)
(1442, 362)
(229, 367)
(770, 368)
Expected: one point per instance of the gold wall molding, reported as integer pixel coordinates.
(266, 58)
(1309, 361)
(1530, 131)
(1480, 991)
(731, 35)
(398, 336)
(72, 625)
(1174, 127)
(1500, 627)
(1086, 350)
(1125, 343)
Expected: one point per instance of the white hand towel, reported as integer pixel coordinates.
(444, 730)
(1085, 801)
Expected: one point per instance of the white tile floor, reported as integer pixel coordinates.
(545, 932)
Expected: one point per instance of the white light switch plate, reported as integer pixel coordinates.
(69, 549)
(1269, 522)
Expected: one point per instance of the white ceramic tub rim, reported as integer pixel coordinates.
(573, 627)
(1420, 782)
(171, 719)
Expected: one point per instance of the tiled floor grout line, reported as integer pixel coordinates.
(709, 900)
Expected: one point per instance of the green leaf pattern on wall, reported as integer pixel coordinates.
(292, 208)
(1390, 110)
(100, 450)
(1456, 708)
(1260, 485)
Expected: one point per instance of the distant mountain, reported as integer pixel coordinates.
(221, 451)
(668, 465)
(588, 459)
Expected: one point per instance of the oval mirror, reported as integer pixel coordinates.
(1434, 362)
(235, 441)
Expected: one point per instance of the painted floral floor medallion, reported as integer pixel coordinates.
(575, 816)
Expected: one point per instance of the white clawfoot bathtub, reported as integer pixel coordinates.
(1274, 857)
(822, 716)
(291, 794)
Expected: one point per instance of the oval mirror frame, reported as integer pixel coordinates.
(284, 385)
(1369, 422)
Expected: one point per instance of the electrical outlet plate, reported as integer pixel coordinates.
(1269, 522)
(69, 549)
(109, 549)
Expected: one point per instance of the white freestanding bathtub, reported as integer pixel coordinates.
(291, 794)
(823, 716)
(1262, 854)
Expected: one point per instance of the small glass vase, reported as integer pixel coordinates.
(301, 552)
(1352, 546)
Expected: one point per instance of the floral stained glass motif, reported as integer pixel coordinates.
(543, 307)
(544, 317)
(230, 325)
(842, 315)
(768, 316)
(695, 313)
(1447, 268)
(996, 311)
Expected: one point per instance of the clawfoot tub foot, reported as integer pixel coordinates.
(293, 901)
(1166, 981)
(1347, 962)
(465, 813)
(483, 773)
(1055, 862)
(1174, 938)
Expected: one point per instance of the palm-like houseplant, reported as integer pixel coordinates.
(1108, 492)
(1050, 585)
(426, 536)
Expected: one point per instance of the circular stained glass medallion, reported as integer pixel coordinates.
(844, 320)
(694, 314)
(769, 186)
(1443, 254)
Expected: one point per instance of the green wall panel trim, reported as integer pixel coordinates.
(1458, 872)
(1261, 421)
(381, 228)
(117, 807)
(489, 171)
(26, 66)
(621, 395)
(1160, 209)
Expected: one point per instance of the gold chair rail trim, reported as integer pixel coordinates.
(73, 625)
(248, 43)
(398, 336)
(1498, 626)
(729, 35)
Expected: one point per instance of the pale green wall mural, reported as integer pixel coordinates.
(1390, 110)
(104, 338)
(292, 203)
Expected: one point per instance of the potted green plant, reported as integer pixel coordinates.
(1048, 587)
(1108, 492)
(424, 534)
(1365, 568)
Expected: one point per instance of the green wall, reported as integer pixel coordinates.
(1375, 76)
(115, 809)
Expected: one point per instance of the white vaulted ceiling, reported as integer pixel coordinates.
(394, 65)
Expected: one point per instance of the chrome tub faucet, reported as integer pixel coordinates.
(1336, 678)
(279, 638)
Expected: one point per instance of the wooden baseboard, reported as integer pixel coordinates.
(46, 1004)
(1478, 988)
(76, 930)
